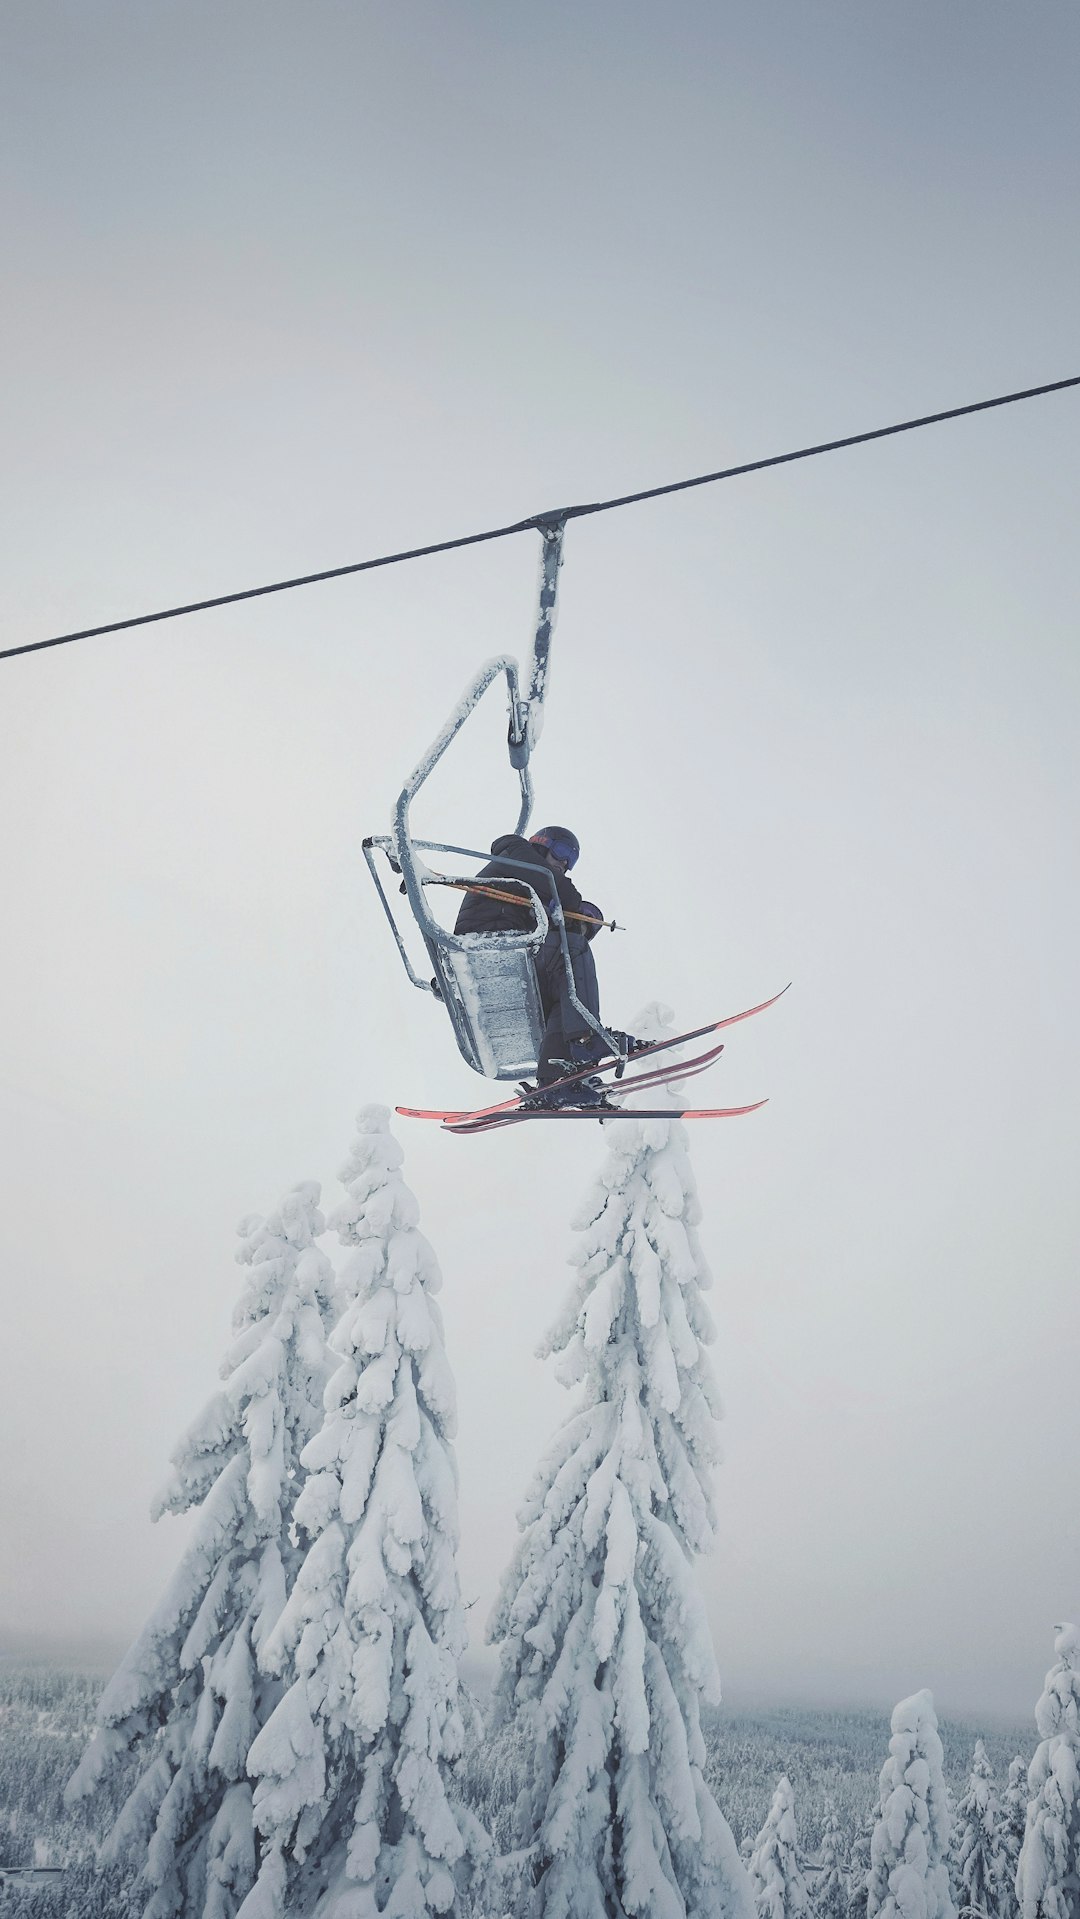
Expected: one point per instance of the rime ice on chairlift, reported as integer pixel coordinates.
(487, 981)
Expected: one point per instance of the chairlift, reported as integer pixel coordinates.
(488, 981)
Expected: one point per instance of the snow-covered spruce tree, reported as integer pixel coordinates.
(1014, 1804)
(909, 1853)
(1048, 1871)
(977, 1858)
(353, 1795)
(831, 1891)
(859, 1867)
(779, 1887)
(605, 1652)
(189, 1695)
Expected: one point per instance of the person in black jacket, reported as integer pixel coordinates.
(568, 1044)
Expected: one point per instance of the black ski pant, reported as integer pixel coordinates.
(565, 1025)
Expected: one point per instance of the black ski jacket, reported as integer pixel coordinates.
(482, 915)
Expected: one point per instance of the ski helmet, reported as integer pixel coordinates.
(558, 840)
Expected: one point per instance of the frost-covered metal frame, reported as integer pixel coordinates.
(454, 955)
(415, 876)
(460, 960)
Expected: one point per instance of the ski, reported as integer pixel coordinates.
(655, 1076)
(662, 1075)
(602, 1066)
(601, 1113)
(584, 1072)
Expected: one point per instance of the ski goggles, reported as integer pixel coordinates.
(562, 846)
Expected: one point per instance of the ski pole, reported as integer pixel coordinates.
(515, 899)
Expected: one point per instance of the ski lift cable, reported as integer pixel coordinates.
(542, 522)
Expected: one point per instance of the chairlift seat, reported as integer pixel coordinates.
(489, 985)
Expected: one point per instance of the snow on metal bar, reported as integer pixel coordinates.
(473, 694)
(532, 713)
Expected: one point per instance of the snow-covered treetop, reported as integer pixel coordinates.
(909, 1850)
(274, 1368)
(267, 1244)
(782, 1808)
(1014, 1801)
(779, 1888)
(389, 1277)
(915, 1719)
(1048, 1870)
(635, 1326)
(1058, 1710)
(980, 1780)
(980, 1864)
(377, 1200)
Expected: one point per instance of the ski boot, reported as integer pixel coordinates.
(589, 1093)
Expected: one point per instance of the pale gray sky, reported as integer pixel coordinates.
(290, 286)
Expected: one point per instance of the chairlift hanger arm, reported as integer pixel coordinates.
(527, 716)
(470, 699)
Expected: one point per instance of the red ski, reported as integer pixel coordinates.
(449, 1115)
(655, 1076)
(601, 1113)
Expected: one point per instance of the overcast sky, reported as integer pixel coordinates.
(289, 286)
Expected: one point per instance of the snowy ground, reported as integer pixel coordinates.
(46, 1713)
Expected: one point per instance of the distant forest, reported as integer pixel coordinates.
(46, 1715)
